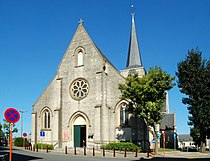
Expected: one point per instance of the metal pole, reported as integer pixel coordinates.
(10, 142)
(164, 142)
(21, 130)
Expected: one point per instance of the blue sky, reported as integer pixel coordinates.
(34, 35)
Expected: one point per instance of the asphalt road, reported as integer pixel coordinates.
(23, 155)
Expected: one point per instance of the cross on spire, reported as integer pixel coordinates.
(81, 21)
(132, 9)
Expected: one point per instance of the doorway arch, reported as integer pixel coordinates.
(79, 124)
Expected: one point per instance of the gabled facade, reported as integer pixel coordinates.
(81, 106)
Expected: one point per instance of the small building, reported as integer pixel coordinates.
(185, 140)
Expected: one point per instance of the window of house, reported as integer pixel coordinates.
(46, 119)
(123, 114)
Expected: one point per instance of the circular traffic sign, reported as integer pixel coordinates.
(24, 134)
(12, 115)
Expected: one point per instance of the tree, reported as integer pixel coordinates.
(146, 95)
(6, 127)
(194, 81)
(1, 132)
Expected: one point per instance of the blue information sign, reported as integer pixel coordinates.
(174, 135)
(42, 133)
(158, 136)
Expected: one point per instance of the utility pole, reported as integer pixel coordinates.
(21, 130)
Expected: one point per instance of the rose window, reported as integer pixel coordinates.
(79, 89)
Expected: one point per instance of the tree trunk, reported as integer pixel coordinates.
(156, 142)
(202, 147)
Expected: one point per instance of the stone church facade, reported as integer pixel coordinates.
(81, 105)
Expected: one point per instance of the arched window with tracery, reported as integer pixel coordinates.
(123, 114)
(46, 119)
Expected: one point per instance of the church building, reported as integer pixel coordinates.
(81, 106)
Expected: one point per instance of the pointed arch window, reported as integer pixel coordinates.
(79, 56)
(123, 114)
(46, 119)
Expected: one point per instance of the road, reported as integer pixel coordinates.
(23, 155)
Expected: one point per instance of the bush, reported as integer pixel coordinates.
(19, 141)
(44, 146)
(121, 146)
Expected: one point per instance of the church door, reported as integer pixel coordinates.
(79, 135)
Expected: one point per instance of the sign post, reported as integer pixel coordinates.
(12, 116)
(42, 134)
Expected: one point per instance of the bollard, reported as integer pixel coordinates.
(93, 151)
(47, 148)
(75, 151)
(113, 152)
(31, 147)
(34, 147)
(66, 150)
(103, 152)
(84, 150)
(136, 152)
(37, 148)
(125, 153)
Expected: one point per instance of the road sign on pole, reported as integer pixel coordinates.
(12, 116)
(24, 134)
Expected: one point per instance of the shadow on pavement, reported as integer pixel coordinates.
(15, 156)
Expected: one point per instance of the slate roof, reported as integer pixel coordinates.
(168, 121)
(134, 59)
(185, 137)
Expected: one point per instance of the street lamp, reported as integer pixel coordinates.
(21, 130)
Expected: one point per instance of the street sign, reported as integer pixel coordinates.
(159, 136)
(12, 115)
(24, 134)
(174, 135)
(42, 133)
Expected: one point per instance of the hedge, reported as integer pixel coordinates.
(44, 146)
(19, 142)
(121, 146)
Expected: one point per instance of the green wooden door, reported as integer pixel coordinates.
(77, 136)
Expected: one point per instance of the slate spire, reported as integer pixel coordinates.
(134, 59)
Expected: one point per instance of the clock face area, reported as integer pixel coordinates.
(79, 89)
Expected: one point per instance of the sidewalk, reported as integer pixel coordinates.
(121, 154)
(187, 155)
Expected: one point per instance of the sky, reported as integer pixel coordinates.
(34, 35)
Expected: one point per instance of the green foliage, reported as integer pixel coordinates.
(146, 95)
(19, 142)
(1, 132)
(195, 133)
(120, 146)
(194, 82)
(44, 146)
(6, 127)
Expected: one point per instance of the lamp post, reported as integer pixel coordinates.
(21, 130)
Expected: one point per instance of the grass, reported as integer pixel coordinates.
(167, 150)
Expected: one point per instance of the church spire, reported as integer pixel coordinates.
(134, 59)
